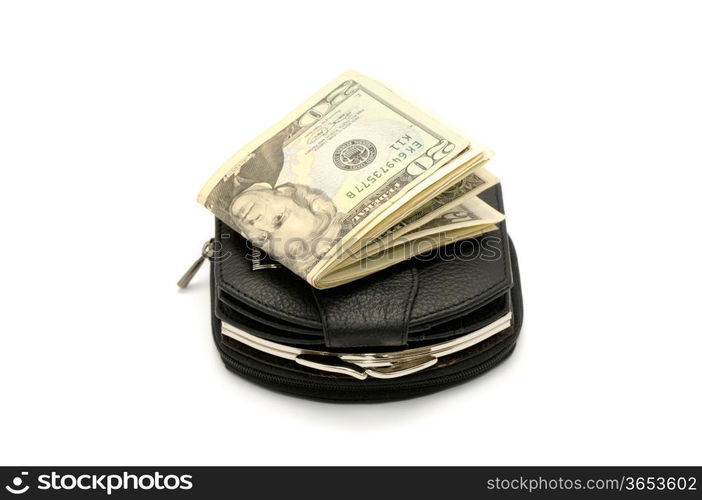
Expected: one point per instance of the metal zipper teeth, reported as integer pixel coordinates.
(440, 380)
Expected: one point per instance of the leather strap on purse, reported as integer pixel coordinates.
(374, 311)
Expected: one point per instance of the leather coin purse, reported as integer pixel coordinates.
(417, 327)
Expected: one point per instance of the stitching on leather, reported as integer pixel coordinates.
(409, 302)
(323, 317)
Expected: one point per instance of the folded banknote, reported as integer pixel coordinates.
(352, 181)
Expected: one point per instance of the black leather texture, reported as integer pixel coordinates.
(291, 378)
(451, 292)
(425, 300)
(374, 314)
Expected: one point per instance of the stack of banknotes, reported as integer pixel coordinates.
(354, 180)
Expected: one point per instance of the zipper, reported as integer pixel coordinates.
(207, 252)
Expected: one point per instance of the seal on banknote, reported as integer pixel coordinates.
(354, 154)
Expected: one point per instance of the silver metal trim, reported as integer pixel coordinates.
(385, 365)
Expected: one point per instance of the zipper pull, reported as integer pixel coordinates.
(207, 253)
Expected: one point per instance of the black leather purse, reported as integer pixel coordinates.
(414, 328)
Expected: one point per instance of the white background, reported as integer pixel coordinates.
(112, 116)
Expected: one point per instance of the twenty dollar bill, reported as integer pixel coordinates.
(343, 168)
